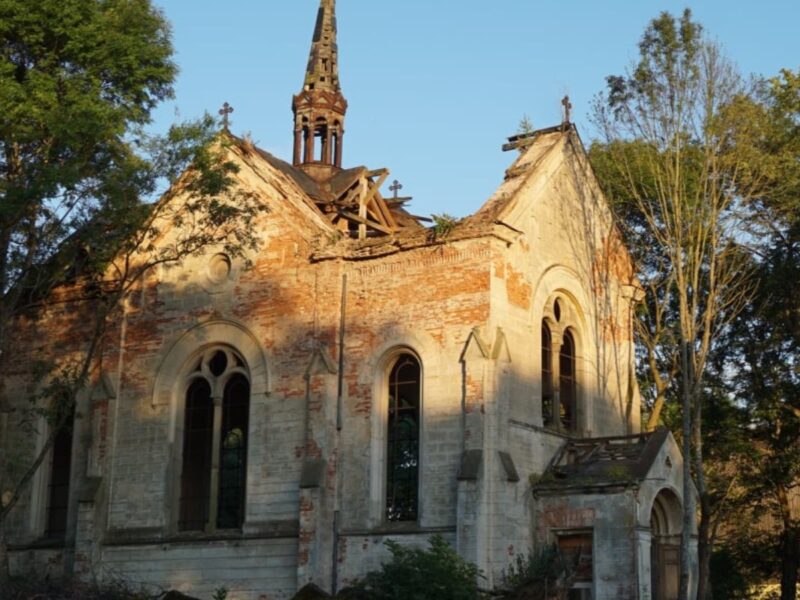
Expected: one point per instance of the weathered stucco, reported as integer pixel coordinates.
(318, 320)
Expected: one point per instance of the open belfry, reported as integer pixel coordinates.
(351, 198)
(269, 423)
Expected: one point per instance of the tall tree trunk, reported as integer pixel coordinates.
(4, 566)
(704, 549)
(790, 548)
(688, 492)
(790, 563)
(704, 542)
(5, 570)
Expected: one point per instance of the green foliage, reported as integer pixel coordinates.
(443, 224)
(420, 574)
(78, 80)
(543, 569)
(47, 589)
(76, 74)
(702, 171)
(221, 593)
(727, 579)
(525, 126)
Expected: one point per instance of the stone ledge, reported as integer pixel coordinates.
(397, 529)
(264, 530)
(43, 544)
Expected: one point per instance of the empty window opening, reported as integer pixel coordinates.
(58, 488)
(567, 382)
(402, 459)
(321, 148)
(547, 376)
(197, 444)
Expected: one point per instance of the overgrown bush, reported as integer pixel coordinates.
(422, 574)
(32, 588)
(540, 575)
(727, 579)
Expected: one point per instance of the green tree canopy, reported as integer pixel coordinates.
(78, 82)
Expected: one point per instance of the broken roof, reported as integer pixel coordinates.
(489, 220)
(600, 463)
(349, 199)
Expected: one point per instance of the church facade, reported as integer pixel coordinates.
(366, 379)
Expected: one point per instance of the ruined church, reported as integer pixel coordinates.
(366, 378)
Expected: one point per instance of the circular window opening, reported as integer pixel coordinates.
(219, 268)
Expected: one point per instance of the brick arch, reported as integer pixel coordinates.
(167, 387)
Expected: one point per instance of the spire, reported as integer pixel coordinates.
(320, 107)
(322, 72)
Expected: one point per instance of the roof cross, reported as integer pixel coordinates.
(226, 110)
(395, 187)
(567, 108)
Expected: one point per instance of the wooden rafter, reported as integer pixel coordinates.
(362, 205)
(365, 222)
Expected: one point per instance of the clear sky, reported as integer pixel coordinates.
(435, 86)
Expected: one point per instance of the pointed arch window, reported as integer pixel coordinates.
(559, 366)
(214, 460)
(58, 486)
(566, 376)
(547, 375)
(403, 435)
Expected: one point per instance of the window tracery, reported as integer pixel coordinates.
(559, 366)
(214, 461)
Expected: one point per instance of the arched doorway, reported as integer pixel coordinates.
(665, 531)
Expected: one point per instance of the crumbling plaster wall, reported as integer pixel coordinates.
(561, 251)
(611, 518)
(426, 301)
(431, 301)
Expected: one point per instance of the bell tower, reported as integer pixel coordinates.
(320, 107)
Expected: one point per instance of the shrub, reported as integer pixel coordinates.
(541, 574)
(44, 589)
(421, 574)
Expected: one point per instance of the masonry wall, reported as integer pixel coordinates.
(470, 310)
(560, 252)
(611, 518)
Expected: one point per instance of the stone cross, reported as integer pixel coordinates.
(395, 187)
(226, 110)
(567, 108)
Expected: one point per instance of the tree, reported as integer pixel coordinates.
(764, 342)
(78, 80)
(672, 141)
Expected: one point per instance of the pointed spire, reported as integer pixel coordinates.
(322, 72)
(320, 107)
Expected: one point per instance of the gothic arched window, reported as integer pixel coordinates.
(547, 375)
(403, 429)
(58, 487)
(559, 365)
(566, 376)
(214, 461)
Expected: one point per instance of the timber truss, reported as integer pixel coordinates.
(360, 211)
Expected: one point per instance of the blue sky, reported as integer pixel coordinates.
(436, 86)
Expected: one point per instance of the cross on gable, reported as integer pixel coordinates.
(226, 110)
(395, 187)
(567, 108)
